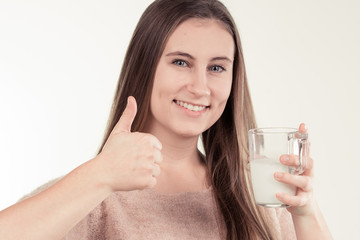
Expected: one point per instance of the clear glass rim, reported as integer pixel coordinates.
(273, 130)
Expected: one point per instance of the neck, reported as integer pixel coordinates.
(178, 149)
(182, 169)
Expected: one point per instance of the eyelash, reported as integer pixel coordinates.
(222, 69)
(177, 61)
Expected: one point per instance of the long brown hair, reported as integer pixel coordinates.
(225, 143)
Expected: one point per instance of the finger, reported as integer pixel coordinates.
(157, 156)
(152, 140)
(290, 160)
(156, 143)
(156, 170)
(293, 162)
(302, 128)
(127, 117)
(309, 170)
(295, 201)
(151, 182)
(302, 182)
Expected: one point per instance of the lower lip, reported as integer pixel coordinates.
(192, 113)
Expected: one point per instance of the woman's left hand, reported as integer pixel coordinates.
(303, 203)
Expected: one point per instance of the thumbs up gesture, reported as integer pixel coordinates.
(129, 160)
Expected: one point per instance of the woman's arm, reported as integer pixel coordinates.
(128, 161)
(55, 211)
(308, 220)
(312, 226)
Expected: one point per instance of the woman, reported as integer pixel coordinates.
(185, 75)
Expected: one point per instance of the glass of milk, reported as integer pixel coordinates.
(266, 145)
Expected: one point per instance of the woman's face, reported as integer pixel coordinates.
(193, 78)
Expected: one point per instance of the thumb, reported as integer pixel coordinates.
(127, 117)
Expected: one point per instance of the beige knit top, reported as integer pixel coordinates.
(147, 214)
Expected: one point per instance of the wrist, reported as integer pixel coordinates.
(311, 225)
(309, 209)
(96, 176)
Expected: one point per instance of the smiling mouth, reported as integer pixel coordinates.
(191, 107)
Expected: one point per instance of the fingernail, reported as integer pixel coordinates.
(279, 195)
(278, 175)
(285, 159)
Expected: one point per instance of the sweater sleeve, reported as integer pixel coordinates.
(88, 228)
(92, 227)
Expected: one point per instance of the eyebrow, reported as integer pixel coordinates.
(183, 54)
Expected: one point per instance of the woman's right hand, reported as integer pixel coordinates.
(129, 160)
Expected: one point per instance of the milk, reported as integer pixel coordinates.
(264, 185)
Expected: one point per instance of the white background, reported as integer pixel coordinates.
(60, 60)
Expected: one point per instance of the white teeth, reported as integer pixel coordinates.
(190, 106)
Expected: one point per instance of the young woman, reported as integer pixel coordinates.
(183, 77)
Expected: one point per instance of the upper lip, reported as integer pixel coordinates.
(194, 104)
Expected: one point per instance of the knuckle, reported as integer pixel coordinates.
(149, 155)
(310, 163)
(152, 154)
(142, 138)
(305, 180)
(149, 170)
(141, 183)
(160, 158)
(135, 134)
(287, 177)
(148, 138)
(302, 201)
(147, 182)
(157, 170)
(296, 203)
(294, 159)
(307, 184)
(154, 182)
(151, 182)
(152, 140)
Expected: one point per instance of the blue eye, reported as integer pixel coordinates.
(217, 68)
(180, 63)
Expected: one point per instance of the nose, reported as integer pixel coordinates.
(198, 84)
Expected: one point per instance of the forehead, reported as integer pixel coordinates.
(202, 36)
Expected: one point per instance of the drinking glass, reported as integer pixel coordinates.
(266, 145)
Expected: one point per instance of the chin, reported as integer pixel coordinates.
(188, 133)
(185, 131)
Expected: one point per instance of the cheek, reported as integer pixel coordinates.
(159, 87)
(166, 82)
(221, 91)
(221, 94)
